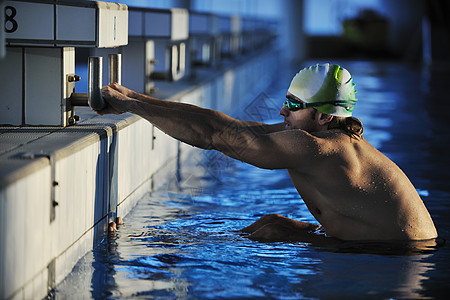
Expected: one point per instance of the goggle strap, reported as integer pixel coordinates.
(343, 103)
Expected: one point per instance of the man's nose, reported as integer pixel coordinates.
(284, 111)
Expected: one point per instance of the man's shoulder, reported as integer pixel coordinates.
(322, 139)
(335, 137)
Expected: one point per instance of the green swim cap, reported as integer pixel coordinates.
(326, 83)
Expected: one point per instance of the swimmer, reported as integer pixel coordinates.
(354, 191)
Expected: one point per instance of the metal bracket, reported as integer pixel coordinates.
(153, 137)
(176, 53)
(178, 61)
(94, 98)
(150, 62)
(71, 118)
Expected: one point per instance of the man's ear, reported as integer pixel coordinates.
(324, 119)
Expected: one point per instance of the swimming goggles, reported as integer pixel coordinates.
(294, 105)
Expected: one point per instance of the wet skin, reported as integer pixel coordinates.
(353, 190)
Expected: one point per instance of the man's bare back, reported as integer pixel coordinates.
(357, 193)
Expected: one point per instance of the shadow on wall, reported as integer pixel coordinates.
(106, 183)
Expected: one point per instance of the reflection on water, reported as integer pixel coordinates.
(179, 242)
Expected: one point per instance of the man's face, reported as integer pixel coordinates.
(301, 119)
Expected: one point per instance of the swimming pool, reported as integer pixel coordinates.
(178, 242)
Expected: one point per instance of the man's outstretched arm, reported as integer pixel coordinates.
(185, 122)
(264, 128)
(251, 142)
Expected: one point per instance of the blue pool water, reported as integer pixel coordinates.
(179, 242)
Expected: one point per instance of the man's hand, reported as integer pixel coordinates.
(123, 90)
(116, 102)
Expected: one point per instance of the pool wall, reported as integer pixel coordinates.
(60, 187)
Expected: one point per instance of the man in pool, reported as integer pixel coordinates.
(353, 190)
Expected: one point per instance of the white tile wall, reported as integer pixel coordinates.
(24, 218)
(35, 220)
(130, 177)
(39, 283)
